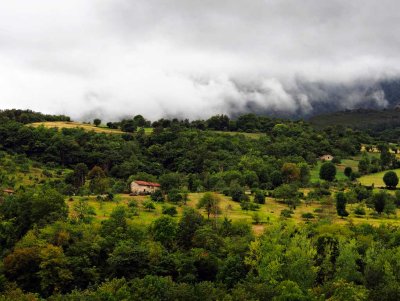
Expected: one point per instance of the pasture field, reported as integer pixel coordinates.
(268, 213)
(376, 178)
(72, 125)
(314, 172)
(247, 135)
(85, 126)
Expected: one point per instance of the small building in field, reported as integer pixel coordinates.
(142, 187)
(326, 158)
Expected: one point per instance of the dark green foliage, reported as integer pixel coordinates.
(232, 271)
(171, 181)
(341, 202)
(362, 193)
(78, 177)
(112, 125)
(149, 205)
(174, 196)
(385, 157)
(28, 116)
(304, 173)
(327, 171)
(128, 259)
(218, 122)
(128, 126)
(246, 205)
(157, 196)
(379, 201)
(288, 193)
(237, 193)
(276, 178)
(259, 197)
(169, 210)
(287, 213)
(391, 180)
(46, 253)
(397, 198)
(307, 215)
(348, 171)
(190, 221)
(209, 202)
(164, 230)
(364, 164)
(96, 122)
(359, 210)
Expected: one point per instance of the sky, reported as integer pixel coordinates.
(192, 58)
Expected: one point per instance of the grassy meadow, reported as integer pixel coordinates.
(71, 125)
(247, 135)
(376, 179)
(87, 127)
(268, 213)
(314, 172)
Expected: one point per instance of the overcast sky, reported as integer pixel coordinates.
(157, 57)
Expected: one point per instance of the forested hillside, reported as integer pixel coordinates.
(237, 216)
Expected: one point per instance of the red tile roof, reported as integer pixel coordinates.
(143, 183)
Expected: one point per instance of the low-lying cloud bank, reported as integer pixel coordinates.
(111, 59)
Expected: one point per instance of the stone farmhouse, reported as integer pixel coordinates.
(326, 158)
(142, 187)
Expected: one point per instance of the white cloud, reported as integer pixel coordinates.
(197, 58)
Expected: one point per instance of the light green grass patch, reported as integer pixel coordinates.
(376, 179)
(314, 172)
(248, 135)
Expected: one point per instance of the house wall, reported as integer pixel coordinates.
(141, 189)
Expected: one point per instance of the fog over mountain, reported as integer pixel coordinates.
(196, 58)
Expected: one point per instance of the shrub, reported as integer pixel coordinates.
(110, 196)
(47, 173)
(149, 205)
(169, 210)
(259, 197)
(307, 215)
(287, 213)
(237, 193)
(359, 211)
(391, 180)
(246, 205)
(132, 204)
(157, 196)
(256, 218)
(327, 171)
(348, 171)
(341, 201)
(174, 196)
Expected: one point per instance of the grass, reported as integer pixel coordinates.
(248, 135)
(72, 125)
(268, 213)
(376, 178)
(314, 172)
(87, 127)
(103, 129)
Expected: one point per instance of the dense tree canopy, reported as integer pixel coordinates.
(327, 171)
(391, 180)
